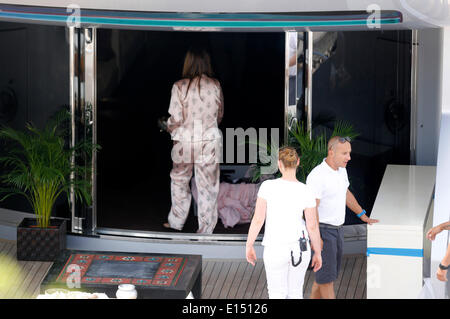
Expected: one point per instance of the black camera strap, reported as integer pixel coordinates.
(303, 247)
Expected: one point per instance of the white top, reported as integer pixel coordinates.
(286, 201)
(330, 186)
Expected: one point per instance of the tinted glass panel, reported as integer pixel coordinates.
(34, 84)
(136, 71)
(363, 78)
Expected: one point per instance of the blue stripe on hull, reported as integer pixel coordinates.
(214, 20)
(395, 251)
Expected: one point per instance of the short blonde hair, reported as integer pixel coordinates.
(288, 156)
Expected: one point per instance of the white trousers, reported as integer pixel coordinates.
(284, 281)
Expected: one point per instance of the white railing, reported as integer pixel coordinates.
(395, 245)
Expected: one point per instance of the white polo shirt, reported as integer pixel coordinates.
(330, 186)
(286, 201)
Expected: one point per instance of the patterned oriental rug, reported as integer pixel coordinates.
(155, 275)
(110, 269)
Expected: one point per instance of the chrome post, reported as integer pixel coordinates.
(73, 90)
(414, 66)
(90, 107)
(290, 107)
(308, 85)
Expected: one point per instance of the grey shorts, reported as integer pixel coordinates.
(333, 240)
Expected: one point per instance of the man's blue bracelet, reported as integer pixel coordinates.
(362, 213)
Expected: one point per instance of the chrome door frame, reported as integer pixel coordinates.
(290, 110)
(414, 102)
(83, 99)
(90, 111)
(83, 107)
(309, 39)
(74, 87)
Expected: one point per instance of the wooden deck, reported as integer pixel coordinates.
(222, 279)
(25, 284)
(238, 279)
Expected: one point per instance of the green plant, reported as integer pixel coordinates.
(265, 157)
(312, 148)
(39, 166)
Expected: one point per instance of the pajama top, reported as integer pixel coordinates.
(195, 115)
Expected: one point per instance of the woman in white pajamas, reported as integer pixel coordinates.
(196, 109)
(281, 204)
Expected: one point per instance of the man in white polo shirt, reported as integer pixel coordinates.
(329, 184)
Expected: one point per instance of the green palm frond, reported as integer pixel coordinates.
(39, 166)
(342, 128)
(265, 156)
(312, 150)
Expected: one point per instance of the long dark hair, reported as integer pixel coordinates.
(196, 63)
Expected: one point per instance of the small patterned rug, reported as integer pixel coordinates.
(113, 269)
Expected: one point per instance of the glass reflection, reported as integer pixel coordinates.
(363, 78)
(34, 84)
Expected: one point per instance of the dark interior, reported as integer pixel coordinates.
(365, 81)
(34, 84)
(136, 71)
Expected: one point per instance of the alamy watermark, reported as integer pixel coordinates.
(205, 145)
(74, 278)
(373, 20)
(373, 276)
(74, 18)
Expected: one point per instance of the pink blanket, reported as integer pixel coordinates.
(236, 202)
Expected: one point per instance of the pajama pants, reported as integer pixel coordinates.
(202, 158)
(284, 281)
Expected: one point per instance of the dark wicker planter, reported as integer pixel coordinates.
(40, 244)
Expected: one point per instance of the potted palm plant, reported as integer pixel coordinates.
(312, 148)
(41, 167)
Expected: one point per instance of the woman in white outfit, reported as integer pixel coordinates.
(284, 204)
